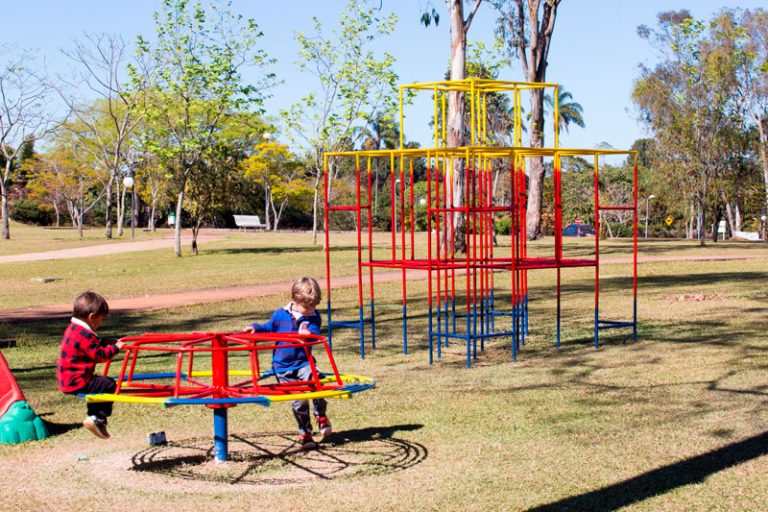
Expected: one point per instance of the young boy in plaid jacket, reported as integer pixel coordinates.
(81, 349)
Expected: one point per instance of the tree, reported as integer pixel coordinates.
(352, 84)
(195, 86)
(380, 132)
(751, 44)
(24, 117)
(527, 27)
(106, 123)
(455, 115)
(569, 111)
(62, 174)
(688, 102)
(277, 170)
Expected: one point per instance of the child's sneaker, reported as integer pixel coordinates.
(306, 442)
(97, 426)
(324, 426)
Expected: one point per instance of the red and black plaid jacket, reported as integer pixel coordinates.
(81, 349)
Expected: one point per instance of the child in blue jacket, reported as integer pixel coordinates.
(291, 364)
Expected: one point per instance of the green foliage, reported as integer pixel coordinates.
(691, 101)
(30, 212)
(195, 88)
(352, 85)
(353, 81)
(503, 226)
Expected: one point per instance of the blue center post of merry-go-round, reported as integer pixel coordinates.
(220, 381)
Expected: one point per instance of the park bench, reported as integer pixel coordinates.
(249, 221)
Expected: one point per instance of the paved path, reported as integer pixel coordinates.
(113, 248)
(190, 297)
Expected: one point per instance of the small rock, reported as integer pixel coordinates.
(45, 279)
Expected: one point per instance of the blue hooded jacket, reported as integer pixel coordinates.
(287, 319)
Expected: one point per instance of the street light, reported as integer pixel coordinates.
(128, 183)
(422, 203)
(647, 199)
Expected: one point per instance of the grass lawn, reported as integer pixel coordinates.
(26, 239)
(677, 421)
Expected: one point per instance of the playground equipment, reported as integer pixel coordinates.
(462, 203)
(18, 421)
(224, 356)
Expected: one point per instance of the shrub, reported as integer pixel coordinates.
(30, 212)
(503, 226)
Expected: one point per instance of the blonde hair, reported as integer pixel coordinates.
(306, 291)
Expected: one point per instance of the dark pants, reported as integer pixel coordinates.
(98, 384)
(301, 407)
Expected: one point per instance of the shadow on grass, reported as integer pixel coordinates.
(56, 429)
(277, 458)
(665, 479)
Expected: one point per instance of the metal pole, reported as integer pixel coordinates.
(220, 448)
(647, 199)
(133, 209)
(394, 204)
(647, 202)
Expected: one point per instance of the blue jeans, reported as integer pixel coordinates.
(301, 407)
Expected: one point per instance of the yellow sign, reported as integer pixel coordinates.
(669, 220)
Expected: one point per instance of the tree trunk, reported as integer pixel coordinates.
(455, 119)
(533, 49)
(764, 159)
(314, 205)
(536, 167)
(702, 237)
(267, 201)
(729, 214)
(153, 216)
(689, 231)
(195, 230)
(120, 207)
(279, 213)
(108, 203)
(4, 210)
(177, 226)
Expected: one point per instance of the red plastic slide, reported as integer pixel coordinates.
(9, 389)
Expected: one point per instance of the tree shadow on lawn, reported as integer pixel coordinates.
(664, 283)
(277, 459)
(659, 481)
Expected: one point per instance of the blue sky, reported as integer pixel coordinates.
(595, 51)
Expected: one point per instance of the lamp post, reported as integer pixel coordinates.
(647, 200)
(394, 206)
(128, 183)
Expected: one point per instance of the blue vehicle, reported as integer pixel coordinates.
(579, 230)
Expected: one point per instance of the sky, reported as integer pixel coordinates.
(595, 50)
